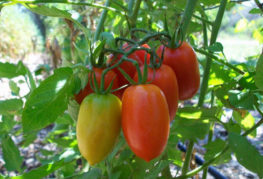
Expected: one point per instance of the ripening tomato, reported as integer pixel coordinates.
(185, 65)
(98, 126)
(145, 120)
(110, 75)
(165, 79)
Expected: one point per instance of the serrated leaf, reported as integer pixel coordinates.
(216, 47)
(259, 73)
(11, 154)
(14, 88)
(246, 154)
(48, 101)
(10, 106)
(9, 70)
(215, 147)
(242, 100)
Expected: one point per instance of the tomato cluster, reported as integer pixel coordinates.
(143, 110)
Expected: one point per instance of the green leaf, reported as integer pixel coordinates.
(54, 12)
(154, 172)
(9, 70)
(44, 170)
(193, 123)
(198, 112)
(242, 100)
(14, 88)
(11, 154)
(245, 120)
(215, 147)
(246, 154)
(216, 47)
(259, 73)
(192, 129)
(48, 101)
(255, 11)
(10, 106)
(6, 124)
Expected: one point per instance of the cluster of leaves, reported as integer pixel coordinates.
(236, 88)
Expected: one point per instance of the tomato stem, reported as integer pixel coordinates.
(214, 34)
(101, 21)
(189, 10)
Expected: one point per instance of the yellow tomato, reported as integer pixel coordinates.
(98, 126)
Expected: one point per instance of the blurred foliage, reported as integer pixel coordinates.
(17, 33)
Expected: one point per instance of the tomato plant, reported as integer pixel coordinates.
(145, 120)
(165, 79)
(185, 65)
(38, 107)
(98, 126)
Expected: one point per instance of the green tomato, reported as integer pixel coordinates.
(98, 126)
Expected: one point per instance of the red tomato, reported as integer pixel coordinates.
(185, 65)
(110, 75)
(145, 120)
(165, 79)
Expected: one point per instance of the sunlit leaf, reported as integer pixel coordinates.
(242, 100)
(9, 70)
(48, 101)
(245, 120)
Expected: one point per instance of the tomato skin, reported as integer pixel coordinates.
(98, 126)
(110, 75)
(145, 120)
(164, 77)
(184, 62)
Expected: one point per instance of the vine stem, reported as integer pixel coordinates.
(101, 21)
(189, 10)
(214, 34)
(133, 17)
(188, 157)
